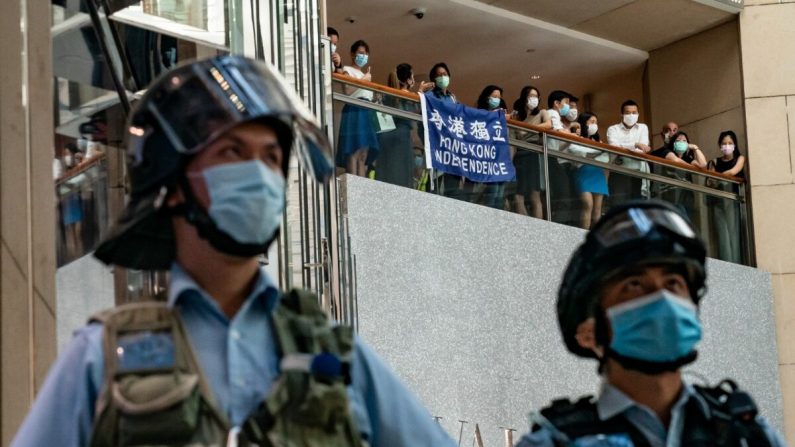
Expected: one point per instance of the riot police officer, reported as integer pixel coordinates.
(629, 299)
(228, 360)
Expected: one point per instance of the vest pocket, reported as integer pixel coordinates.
(157, 408)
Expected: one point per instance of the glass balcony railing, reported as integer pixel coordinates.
(551, 169)
(82, 208)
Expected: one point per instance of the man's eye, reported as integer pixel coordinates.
(231, 151)
(631, 284)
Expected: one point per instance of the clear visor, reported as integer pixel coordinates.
(196, 104)
(636, 223)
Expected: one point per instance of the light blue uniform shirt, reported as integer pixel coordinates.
(612, 402)
(239, 360)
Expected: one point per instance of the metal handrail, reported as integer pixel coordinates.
(574, 158)
(519, 125)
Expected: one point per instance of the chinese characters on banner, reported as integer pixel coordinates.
(468, 142)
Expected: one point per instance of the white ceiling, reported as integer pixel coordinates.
(576, 44)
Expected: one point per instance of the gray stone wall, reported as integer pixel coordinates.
(459, 300)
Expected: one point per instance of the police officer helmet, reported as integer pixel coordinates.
(648, 232)
(181, 113)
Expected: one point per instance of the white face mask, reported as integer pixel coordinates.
(68, 160)
(666, 137)
(631, 119)
(592, 129)
(532, 102)
(333, 48)
(572, 115)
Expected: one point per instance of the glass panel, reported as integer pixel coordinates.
(82, 206)
(358, 130)
(400, 145)
(527, 195)
(195, 20)
(584, 180)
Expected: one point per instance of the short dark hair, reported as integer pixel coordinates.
(629, 102)
(360, 43)
(332, 32)
(559, 95)
(403, 72)
(432, 73)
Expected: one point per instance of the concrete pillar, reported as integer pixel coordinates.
(767, 45)
(27, 208)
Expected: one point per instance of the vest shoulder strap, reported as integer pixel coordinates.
(309, 401)
(580, 418)
(732, 419)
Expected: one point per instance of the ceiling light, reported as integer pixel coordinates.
(535, 76)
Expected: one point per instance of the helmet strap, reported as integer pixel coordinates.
(197, 216)
(648, 367)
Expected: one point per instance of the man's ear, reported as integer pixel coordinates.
(586, 336)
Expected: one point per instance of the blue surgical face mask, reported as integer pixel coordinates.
(564, 110)
(419, 162)
(494, 102)
(442, 81)
(680, 147)
(246, 200)
(659, 327)
(361, 59)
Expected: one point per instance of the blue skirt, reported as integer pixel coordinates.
(356, 132)
(590, 179)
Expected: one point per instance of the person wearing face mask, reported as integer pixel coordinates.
(336, 59)
(666, 150)
(688, 154)
(358, 141)
(396, 158)
(570, 117)
(529, 175)
(490, 194)
(227, 359)
(590, 182)
(630, 299)
(634, 136)
(561, 172)
(452, 186)
(440, 77)
(686, 151)
(726, 219)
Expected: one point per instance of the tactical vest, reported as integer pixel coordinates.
(155, 394)
(731, 421)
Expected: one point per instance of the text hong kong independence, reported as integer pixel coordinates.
(467, 142)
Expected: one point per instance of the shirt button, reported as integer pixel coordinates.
(241, 382)
(235, 335)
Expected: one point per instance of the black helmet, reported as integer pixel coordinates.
(631, 234)
(180, 114)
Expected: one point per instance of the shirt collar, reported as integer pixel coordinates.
(613, 401)
(181, 281)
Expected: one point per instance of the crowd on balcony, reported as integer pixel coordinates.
(393, 151)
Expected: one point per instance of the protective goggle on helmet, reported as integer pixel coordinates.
(181, 113)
